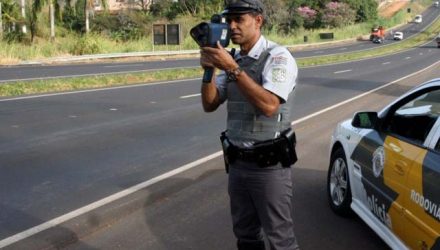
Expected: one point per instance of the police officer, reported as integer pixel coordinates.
(258, 83)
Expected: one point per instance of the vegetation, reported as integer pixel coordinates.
(131, 30)
(57, 85)
(127, 30)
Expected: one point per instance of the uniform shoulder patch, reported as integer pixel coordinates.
(279, 74)
(279, 60)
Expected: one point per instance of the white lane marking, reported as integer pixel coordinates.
(342, 48)
(80, 211)
(189, 96)
(96, 90)
(421, 54)
(319, 52)
(73, 116)
(15, 126)
(153, 102)
(361, 95)
(408, 57)
(120, 66)
(386, 63)
(112, 109)
(342, 71)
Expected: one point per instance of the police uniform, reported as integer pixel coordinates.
(260, 192)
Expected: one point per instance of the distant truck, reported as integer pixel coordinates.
(377, 34)
(437, 39)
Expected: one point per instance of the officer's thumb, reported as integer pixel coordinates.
(219, 45)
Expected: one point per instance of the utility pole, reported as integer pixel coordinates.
(52, 21)
(23, 13)
(87, 20)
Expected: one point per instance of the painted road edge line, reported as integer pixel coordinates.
(54, 222)
(80, 211)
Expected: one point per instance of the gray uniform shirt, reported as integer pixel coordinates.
(278, 76)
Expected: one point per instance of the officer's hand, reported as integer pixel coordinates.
(205, 60)
(220, 57)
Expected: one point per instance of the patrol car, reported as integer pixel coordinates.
(385, 167)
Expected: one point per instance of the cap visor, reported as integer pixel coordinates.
(237, 11)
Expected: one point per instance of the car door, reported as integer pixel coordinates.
(412, 169)
(422, 211)
(386, 156)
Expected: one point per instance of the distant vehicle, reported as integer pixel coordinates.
(378, 39)
(398, 35)
(436, 4)
(418, 19)
(377, 32)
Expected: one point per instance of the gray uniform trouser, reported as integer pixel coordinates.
(261, 198)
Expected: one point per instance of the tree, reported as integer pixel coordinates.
(337, 14)
(308, 15)
(89, 10)
(366, 10)
(277, 15)
(10, 14)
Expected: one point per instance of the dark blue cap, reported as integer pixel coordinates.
(243, 6)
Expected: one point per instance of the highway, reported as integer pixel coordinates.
(31, 72)
(61, 152)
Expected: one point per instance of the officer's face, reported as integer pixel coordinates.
(245, 27)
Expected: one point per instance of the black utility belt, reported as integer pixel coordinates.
(264, 153)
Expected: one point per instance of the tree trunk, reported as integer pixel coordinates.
(23, 13)
(87, 21)
(1, 23)
(52, 21)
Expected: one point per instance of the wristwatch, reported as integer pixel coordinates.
(233, 73)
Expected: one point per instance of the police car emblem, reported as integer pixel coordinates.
(279, 74)
(378, 161)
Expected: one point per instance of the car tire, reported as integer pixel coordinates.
(338, 184)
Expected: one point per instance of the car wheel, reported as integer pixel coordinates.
(338, 184)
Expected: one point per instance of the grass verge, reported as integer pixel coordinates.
(71, 84)
(91, 82)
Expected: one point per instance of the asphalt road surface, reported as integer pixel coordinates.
(190, 211)
(62, 152)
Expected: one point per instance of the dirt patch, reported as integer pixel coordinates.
(388, 9)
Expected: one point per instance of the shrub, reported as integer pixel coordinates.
(85, 45)
(337, 15)
(308, 15)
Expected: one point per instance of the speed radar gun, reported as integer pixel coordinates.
(207, 34)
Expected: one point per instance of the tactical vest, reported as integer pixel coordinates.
(247, 123)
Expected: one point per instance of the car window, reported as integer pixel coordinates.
(414, 119)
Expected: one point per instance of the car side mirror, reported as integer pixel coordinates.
(365, 120)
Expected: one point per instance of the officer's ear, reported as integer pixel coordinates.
(260, 20)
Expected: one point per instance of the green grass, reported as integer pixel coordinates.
(71, 84)
(68, 42)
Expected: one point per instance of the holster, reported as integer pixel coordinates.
(290, 156)
(229, 154)
(281, 149)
